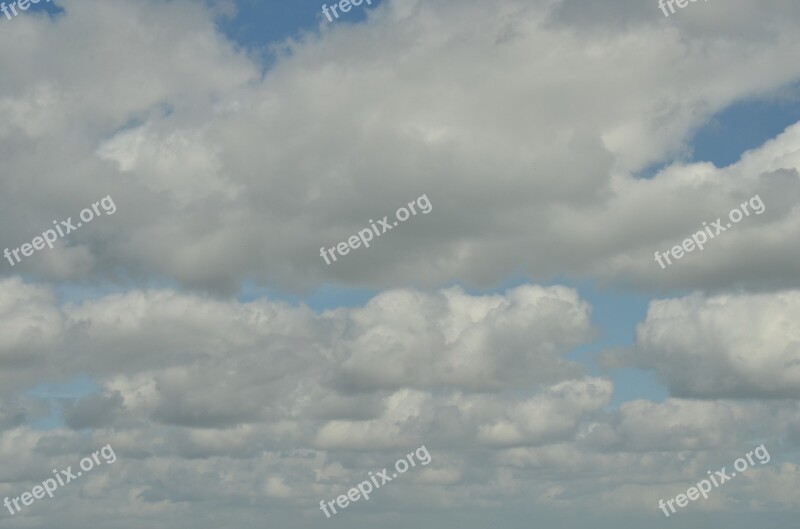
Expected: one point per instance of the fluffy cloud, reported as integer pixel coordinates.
(157, 348)
(737, 345)
(405, 338)
(254, 394)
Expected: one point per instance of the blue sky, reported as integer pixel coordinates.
(744, 126)
(259, 25)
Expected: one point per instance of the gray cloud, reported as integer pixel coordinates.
(183, 154)
(93, 411)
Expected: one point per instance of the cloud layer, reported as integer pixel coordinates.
(212, 405)
(528, 124)
(222, 174)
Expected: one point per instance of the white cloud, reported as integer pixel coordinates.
(736, 345)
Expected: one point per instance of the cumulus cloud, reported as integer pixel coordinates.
(224, 402)
(191, 378)
(153, 346)
(550, 415)
(734, 346)
(404, 338)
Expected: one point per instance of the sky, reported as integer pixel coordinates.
(517, 329)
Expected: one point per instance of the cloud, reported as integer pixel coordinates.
(94, 411)
(249, 397)
(724, 346)
(222, 174)
(404, 338)
(525, 123)
(400, 338)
